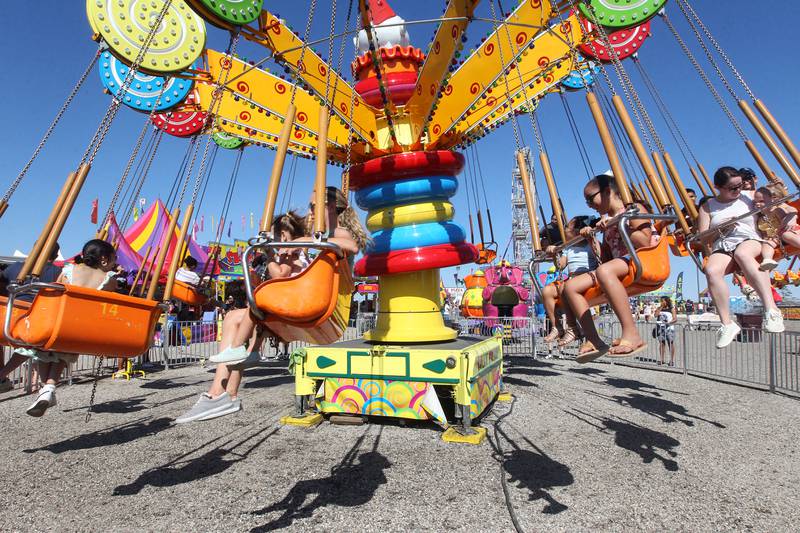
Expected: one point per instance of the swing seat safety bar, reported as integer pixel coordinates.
(313, 305)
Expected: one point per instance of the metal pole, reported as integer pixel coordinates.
(772, 354)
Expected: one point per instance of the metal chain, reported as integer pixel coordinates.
(116, 103)
(631, 95)
(341, 50)
(300, 66)
(94, 388)
(534, 123)
(330, 54)
(514, 125)
(662, 107)
(134, 153)
(145, 171)
(216, 102)
(705, 79)
(718, 48)
(591, 44)
(52, 126)
(708, 53)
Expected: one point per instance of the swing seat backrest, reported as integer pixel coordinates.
(188, 294)
(88, 321)
(312, 306)
(655, 271)
(20, 308)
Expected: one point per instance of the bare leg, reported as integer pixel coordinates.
(791, 238)
(745, 256)
(661, 349)
(609, 276)
(767, 252)
(235, 379)
(245, 330)
(716, 268)
(230, 326)
(574, 289)
(221, 379)
(549, 294)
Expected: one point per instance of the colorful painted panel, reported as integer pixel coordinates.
(484, 389)
(400, 399)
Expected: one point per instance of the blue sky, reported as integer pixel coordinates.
(43, 63)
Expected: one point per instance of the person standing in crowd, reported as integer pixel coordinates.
(665, 330)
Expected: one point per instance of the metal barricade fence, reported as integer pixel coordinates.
(757, 358)
(518, 334)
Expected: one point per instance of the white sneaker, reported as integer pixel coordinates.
(774, 321)
(253, 358)
(727, 333)
(45, 400)
(230, 356)
(767, 265)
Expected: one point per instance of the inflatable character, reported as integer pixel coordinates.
(472, 300)
(504, 295)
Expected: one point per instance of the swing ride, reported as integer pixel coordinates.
(404, 131)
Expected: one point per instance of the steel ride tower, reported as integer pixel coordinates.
(520, 225)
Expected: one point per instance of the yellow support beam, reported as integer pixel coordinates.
(446, 43)
(483, 67)
(276, 36)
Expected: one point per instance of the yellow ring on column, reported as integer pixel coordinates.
(403, 215)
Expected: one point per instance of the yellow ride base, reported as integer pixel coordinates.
(359, 377)
(505, 397)
(128, 373)
(454, 435)
(306, 421)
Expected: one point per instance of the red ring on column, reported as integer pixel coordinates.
(416, 259)
(406, 165)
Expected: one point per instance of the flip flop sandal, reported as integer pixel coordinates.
(591, 355)
(627, 344)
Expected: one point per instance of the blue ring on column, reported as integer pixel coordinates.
(145, 88)
(407, 191)
(415, 236)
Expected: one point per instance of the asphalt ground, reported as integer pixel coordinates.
(582, 448)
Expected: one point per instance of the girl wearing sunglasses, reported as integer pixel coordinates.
(601, 194)
(737, 246)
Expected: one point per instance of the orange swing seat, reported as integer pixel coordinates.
(312, 306)
(70, 319)
(20, 308)
(188, 294)
(485, 254)
(655, 271)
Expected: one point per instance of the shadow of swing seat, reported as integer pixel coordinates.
(78, 320)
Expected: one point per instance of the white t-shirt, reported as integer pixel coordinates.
(743, 230)
(187, 276)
